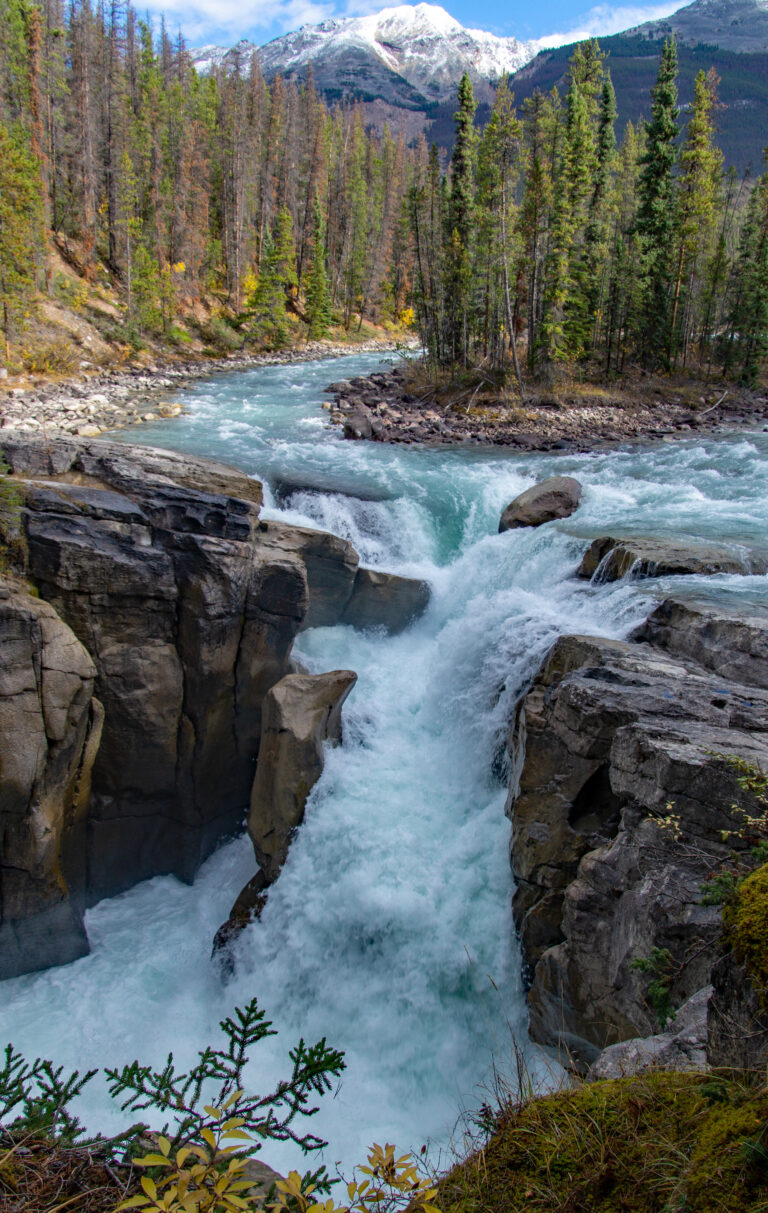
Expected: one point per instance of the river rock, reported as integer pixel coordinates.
(129, 469)
(50, 725)
(730, 640)
(358, 423)
(384, 600)
(609, 559)
(331, 565)
(300, 713)
(617, 738)
(557, 497)
(683, 1046)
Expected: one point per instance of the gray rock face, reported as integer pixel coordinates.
(50, 725)
(301, 713)
(618, 737)
(733, 25)
(683, 1046)
(384, 600)
(609, 559)
(738, 1022)
(189, 616)
(732, 644)
(556, 497)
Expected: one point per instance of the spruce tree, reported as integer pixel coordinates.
(698, 196)
(318, 299)
(21, 227)
(461, 218)
(655, 217)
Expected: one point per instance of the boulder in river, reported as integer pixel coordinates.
(556, 497)
(384, 600)
(609, 558)
(300, 713)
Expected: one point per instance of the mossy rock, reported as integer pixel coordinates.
(653, 1144)
(746, 924)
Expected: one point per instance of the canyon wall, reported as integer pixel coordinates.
(180, 606)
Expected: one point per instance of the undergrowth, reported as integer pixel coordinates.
(658, 1143)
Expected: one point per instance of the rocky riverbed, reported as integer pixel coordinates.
(92, 403)
(390, 407)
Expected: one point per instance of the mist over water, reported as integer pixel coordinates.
(389, 930)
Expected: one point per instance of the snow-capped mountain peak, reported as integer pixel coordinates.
(421, 44)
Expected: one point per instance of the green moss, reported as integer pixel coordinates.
(746, 922)
(653, 1144)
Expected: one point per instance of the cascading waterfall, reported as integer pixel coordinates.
(389, 930)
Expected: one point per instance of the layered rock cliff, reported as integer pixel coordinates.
(623, 807)
(181, 606)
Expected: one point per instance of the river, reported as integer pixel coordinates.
(389, 930)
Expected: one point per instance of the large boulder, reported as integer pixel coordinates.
(609, 558)
(300, 714)
(331, 564)
(557, 497)
(618, 817)
(385, 600)
(50, 725)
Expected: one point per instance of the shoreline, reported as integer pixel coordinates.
(89, 405)
(385, 408)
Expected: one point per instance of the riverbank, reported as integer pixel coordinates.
(89, 404)
(401, 407)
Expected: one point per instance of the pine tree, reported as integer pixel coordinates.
(21, 225)
(698, 196)
(318, 299)
(276, 284)
(655, 218)
(461, 217)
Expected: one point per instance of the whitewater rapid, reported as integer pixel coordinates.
(389, 931)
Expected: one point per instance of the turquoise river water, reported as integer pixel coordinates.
(389, 930)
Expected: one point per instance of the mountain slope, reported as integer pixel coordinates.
(416, 52)
(731, 25)
(741, 121)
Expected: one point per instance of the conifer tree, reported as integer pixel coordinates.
(20, 226)
(695, 220)
(318, 299)
(655, 218)
(461, 215)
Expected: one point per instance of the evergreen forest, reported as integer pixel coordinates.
(548, 240)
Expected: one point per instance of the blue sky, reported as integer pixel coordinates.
(203, 21)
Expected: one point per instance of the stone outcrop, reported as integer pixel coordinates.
(301, 713)
(184, 606)
(738, 1019)
(609, 558)
(339, 590)
(50, 725)
(732, 644)
(683, 1046)
(557, 497)
(617, 738)
(384, 600)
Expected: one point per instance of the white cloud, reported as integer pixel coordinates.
(207, 20)
(604, 19)
(202, 19)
